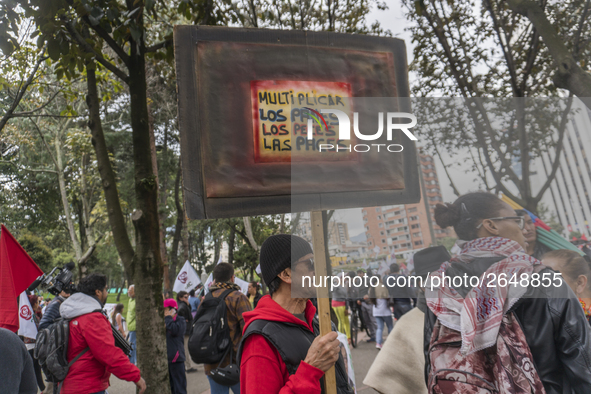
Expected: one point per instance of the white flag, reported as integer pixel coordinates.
(258, 270)
(187, 279)
(243, 285)
(27, 327)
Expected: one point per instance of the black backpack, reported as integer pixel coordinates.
(210, 335)
(51, 349)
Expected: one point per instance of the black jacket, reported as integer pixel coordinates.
(175, 345)
(185, 312)
(292, 343)
(52, 312)
(555, 328)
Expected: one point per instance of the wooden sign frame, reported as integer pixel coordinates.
(198, 205)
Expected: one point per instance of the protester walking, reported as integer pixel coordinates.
(175, 348)
(194, 303)
(236, 305)
(370, 321)
(184, 310)
(91, 340)
(131, 324)
(30, 342)
(535, 337)
(399, 367)
(380, 298)
(399, 290)
(52, 313)
(254, 293)
(576, 271)
(282, 351)
(117, 319)
(17, 375)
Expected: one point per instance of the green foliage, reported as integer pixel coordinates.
(38, 250)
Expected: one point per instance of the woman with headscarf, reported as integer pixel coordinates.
(544, 324)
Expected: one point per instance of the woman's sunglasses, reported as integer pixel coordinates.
(520, 220)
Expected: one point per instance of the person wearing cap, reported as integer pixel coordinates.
(175, 348)
(399, 367)
(281, 350)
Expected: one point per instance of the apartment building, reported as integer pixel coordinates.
(403, 228)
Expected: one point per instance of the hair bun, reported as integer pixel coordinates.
(446, 215)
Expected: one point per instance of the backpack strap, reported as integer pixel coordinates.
(78, 356)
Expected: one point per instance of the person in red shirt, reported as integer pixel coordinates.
(89, 328)
(280, 352)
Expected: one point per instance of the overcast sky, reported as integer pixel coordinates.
(394, 20)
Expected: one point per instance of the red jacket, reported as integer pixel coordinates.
(262, 371)
(91, 372)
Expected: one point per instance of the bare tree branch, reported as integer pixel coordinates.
(569, 74)
(21, 91)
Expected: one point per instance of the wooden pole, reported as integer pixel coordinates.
(321, 270)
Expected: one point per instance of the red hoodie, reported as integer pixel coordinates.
(262, 371)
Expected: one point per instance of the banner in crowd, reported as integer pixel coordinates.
(26, 325)
(187, 279)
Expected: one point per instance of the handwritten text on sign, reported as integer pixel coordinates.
(280, 113)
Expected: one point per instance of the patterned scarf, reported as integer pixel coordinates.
(224, 285)
(478, 316)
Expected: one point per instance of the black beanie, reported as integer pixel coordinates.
(279, 251)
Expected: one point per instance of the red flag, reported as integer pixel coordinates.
(584, 238)
(17, 272)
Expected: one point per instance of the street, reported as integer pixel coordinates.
(363, 357)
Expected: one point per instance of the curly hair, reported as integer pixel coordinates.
(467, 212)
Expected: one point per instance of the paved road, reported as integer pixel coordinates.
(363, 357)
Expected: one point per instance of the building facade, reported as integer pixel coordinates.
(409, 227)
(569, 195)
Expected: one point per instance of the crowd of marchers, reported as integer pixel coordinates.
(464, 339)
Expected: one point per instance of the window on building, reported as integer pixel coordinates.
(380, 224)
(412, 218)
(383, 241)
(370, 243)
(410, 210)
(379, 217)
(381, 233)
(416, 234)
(418, 243)
(385, 248)
(414, 226)
(378, 209)
(365, 220)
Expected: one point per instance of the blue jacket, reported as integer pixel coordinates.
(52, 312)
(175, 336)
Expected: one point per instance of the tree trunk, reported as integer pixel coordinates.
(231, 242)
(108, 179)
(120, 289)
(151, 338)
(178, 229)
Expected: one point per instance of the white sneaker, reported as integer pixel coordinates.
(378, 346)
